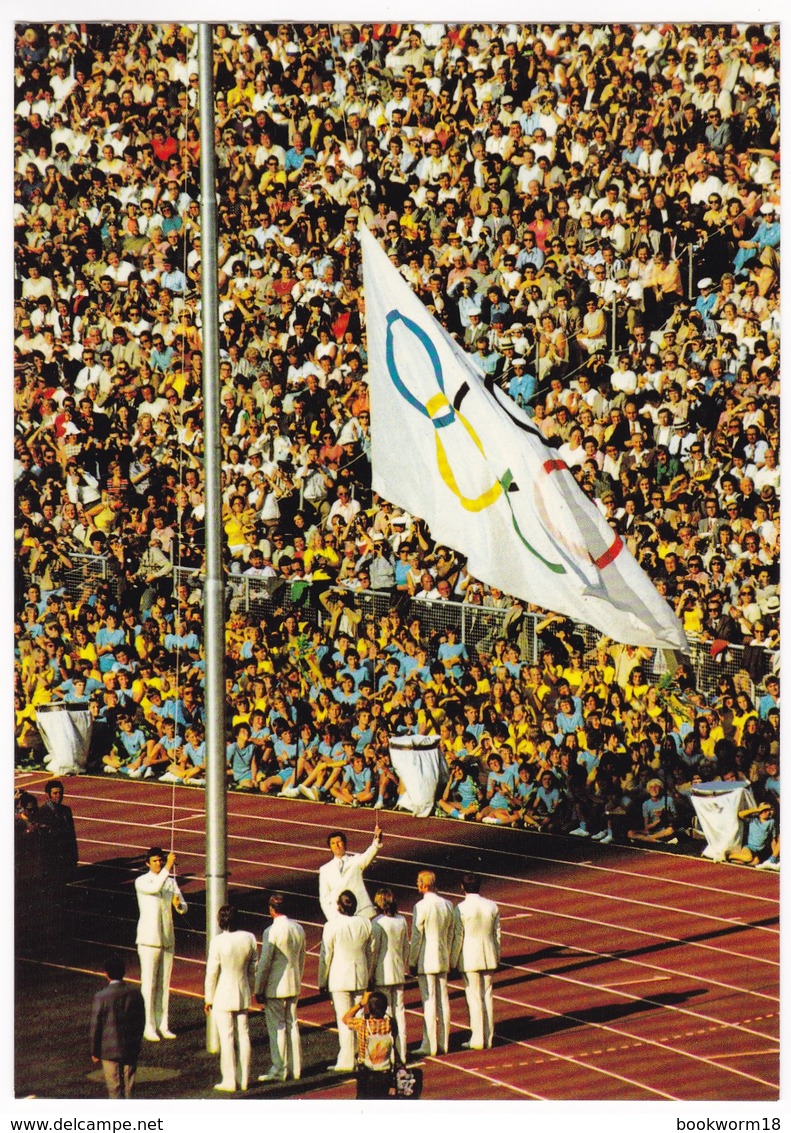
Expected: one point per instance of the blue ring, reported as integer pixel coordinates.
(395, 316)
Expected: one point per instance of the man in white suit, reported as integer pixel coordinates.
(345, 965)
(429, 956)
(345, 872)
(278, 982)
(476, 954)
(228, 991)
(391, 960)
(157, 897)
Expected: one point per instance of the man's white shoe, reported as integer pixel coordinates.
(470, 1046)
(273, 1076)
(150, 1034)
(580, 832)
(223, 1088)
(166, 1033)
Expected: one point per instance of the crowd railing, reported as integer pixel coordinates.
(478, 626)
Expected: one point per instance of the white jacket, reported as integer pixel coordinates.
(432, 935)
(282, 960)
(155, 896)
(477, 935)
(345, 958)
(390, 950)
(346, 873)
(230, 968)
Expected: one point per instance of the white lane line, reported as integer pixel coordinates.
(653, 934)
(532, 909)
(540, 858)
(748, 1054)
(739, 922)
(634, 1038)
(634, 998)
(612, 987)
(269, 818)
(643, 980)
(677, 973)
(571, 949)
(442, 1061)
(501, 1083)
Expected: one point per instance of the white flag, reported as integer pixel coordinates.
(451, 447)
(718, 814)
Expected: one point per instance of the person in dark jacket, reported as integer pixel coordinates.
(58, 820)
(118, 1018)
(59, 846)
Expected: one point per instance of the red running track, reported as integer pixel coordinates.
(627, 974)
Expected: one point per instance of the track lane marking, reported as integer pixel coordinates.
(257, 817)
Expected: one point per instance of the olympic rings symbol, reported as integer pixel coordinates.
(438, 404)
(442, 413)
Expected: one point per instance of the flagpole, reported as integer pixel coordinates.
(214, 615)
(614, 331)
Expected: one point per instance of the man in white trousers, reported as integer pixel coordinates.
(430, 951)
(157, 896)
(345, 965)
(228, 993)
(391, 960)
(345, 871)
(476, 954)
(278, 982)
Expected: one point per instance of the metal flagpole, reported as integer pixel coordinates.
(614, 331)
(214, 615)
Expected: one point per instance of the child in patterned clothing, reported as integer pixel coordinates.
(376, 1033)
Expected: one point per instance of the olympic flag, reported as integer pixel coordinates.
(451, 447)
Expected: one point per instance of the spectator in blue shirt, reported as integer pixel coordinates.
(761, 844)
(659, 816)
(771, 698)
(356, 786)
(522, 386)
(570, 717)
(295, 156)
(766, 235)
(240, 756)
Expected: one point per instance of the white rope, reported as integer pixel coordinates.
(180, 478)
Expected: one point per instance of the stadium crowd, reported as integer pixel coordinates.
(593, 211)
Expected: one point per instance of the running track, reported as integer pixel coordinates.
(627, 974)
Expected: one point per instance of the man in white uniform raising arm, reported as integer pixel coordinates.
(345, 872)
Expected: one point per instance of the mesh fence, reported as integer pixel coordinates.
(478, 626)
(745, 663)
(80, 582)
(88, 571)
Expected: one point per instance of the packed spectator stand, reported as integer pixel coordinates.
(593, 211)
